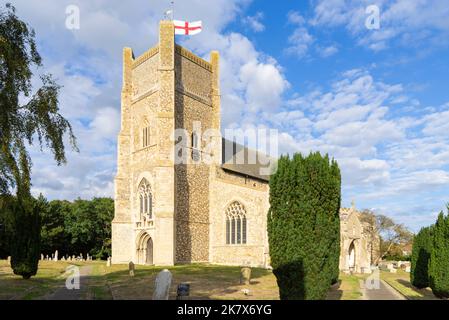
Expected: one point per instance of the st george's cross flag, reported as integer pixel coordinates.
(187, 28)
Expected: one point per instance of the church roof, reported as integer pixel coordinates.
(245, 161)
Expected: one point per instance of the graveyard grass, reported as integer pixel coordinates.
(400, 281)
(106, 283)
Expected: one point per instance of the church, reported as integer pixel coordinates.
(195, 211)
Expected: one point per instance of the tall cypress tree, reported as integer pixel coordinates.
(439, 258)
(422, 247)
(304, 225)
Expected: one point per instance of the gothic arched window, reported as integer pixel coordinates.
(236, 224)
(145, 200)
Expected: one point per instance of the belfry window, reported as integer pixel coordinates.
(195, 147)
(236, 224)
(145, 137)
(145, 200)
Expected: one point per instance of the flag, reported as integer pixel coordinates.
(187, 28)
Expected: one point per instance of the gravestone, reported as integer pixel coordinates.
(9, 260)
(162, 285)
(42, 256)
(183, 291)
(63, 259)
(46, 257)
(88, 257)
(56, 255)
(69, 258)
(131, 268)
(73, 258)
(108, 263)
(245, 275)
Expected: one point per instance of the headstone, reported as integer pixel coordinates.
(63, 259)
(407, 268)
(69, 258)
(73, 258)
(42, 256)
(46, 257)
(162, 285)
(56, 256)
(88, 257)
(9, 260)
(183, 291)
(245, 275)
(131, 268)
(108, 263)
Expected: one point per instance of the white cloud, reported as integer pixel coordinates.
(254, 22)
(295, 17)
(299, 41)
(405, 22)
(327, 51)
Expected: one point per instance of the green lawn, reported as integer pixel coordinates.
(401, 282)
(105, 283)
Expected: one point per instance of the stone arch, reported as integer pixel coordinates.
(352, 256)
(144, 251)
(236, 223)
(145, 200)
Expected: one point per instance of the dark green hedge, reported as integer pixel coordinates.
(422, 247)
(304, 225)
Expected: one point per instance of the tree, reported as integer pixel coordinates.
(21, 124)
(439, 257)
(422, 247)
(24, 224)
(304, 225)
(391, 233)
(53, 233)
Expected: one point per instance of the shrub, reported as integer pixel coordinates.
(422, 246)
(439, 258)
(304, 225)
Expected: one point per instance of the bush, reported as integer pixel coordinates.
(439, 258)
(25, 235)
(304, 225)
(422, 247)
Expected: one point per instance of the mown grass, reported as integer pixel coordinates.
(401, 282)
(105, 283)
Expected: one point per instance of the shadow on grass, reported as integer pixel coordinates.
(104, 283)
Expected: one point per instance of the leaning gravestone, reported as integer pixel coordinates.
(108, 263)
(162, 285)
(131, 268)
(245, 275)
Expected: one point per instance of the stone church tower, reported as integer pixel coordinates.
(162, 208)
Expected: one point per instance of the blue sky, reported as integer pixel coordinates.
(376, 100)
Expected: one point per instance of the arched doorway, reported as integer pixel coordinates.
(149, 252)
(351, 256)
(145, 249)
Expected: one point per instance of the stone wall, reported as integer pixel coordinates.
(224, 189)
(192, 102)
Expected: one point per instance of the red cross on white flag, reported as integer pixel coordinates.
(187, 28)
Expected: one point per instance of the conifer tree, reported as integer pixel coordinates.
(304, 225)
(439, 258)
(422, 247)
